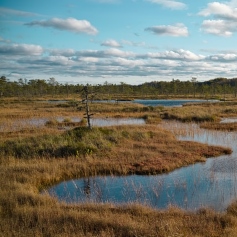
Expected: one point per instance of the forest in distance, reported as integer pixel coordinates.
(218, 88)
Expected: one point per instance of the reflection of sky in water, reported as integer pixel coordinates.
(170, 103)
(229, 120)
(165, 103)
(212, 184)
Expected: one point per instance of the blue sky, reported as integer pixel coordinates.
(114, 41)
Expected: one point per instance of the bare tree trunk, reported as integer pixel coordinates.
(88, 115)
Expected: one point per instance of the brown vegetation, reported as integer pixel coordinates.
(220, 126)
(33, 158)
(207, 112)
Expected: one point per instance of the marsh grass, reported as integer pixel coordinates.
(15, 111)
(67, 122)
(31, 160)
(191, 114)
(116, 150)
(207, 112)
(220, 126)
(143, 149)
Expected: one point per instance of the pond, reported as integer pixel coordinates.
(171, 103)
(211, 184)
(165, 103)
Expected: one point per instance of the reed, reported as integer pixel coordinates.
(220, 126)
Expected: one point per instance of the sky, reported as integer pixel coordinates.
(114, 41)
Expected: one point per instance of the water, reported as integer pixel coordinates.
(229, 120)
(211, 184)
(165, 103)
(170, 103)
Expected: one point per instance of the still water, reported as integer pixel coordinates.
(170, 103)
(165, 103)
(211, 184)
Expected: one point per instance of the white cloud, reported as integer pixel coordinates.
(112, 52)
(223, 57)
(180, 54)
(69, 24)
(61, 60)
(127, 62)
(219, 27)
(225, 18)
(118, 53)
(88, 59)
(174, 5)
(111, 43)
(220, 10)
(114, 63)
(21, 49)
(176, 30)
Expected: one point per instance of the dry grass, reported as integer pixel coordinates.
(13, 111)
(220, 126)
(208, 115)
(114, 150)
(208, 112)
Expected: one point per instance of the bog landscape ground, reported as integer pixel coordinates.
(36, 156)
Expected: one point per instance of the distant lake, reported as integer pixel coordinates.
(166, 103)
(169, 103)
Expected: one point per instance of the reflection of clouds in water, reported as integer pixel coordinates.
(171, 103)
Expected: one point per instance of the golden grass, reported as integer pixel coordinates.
(220, 126)
(114, 150)
(208, 112)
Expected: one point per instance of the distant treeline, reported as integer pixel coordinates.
(216, 88)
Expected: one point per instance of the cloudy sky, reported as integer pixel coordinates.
(130, 41)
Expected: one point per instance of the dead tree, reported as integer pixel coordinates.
(86, 101)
